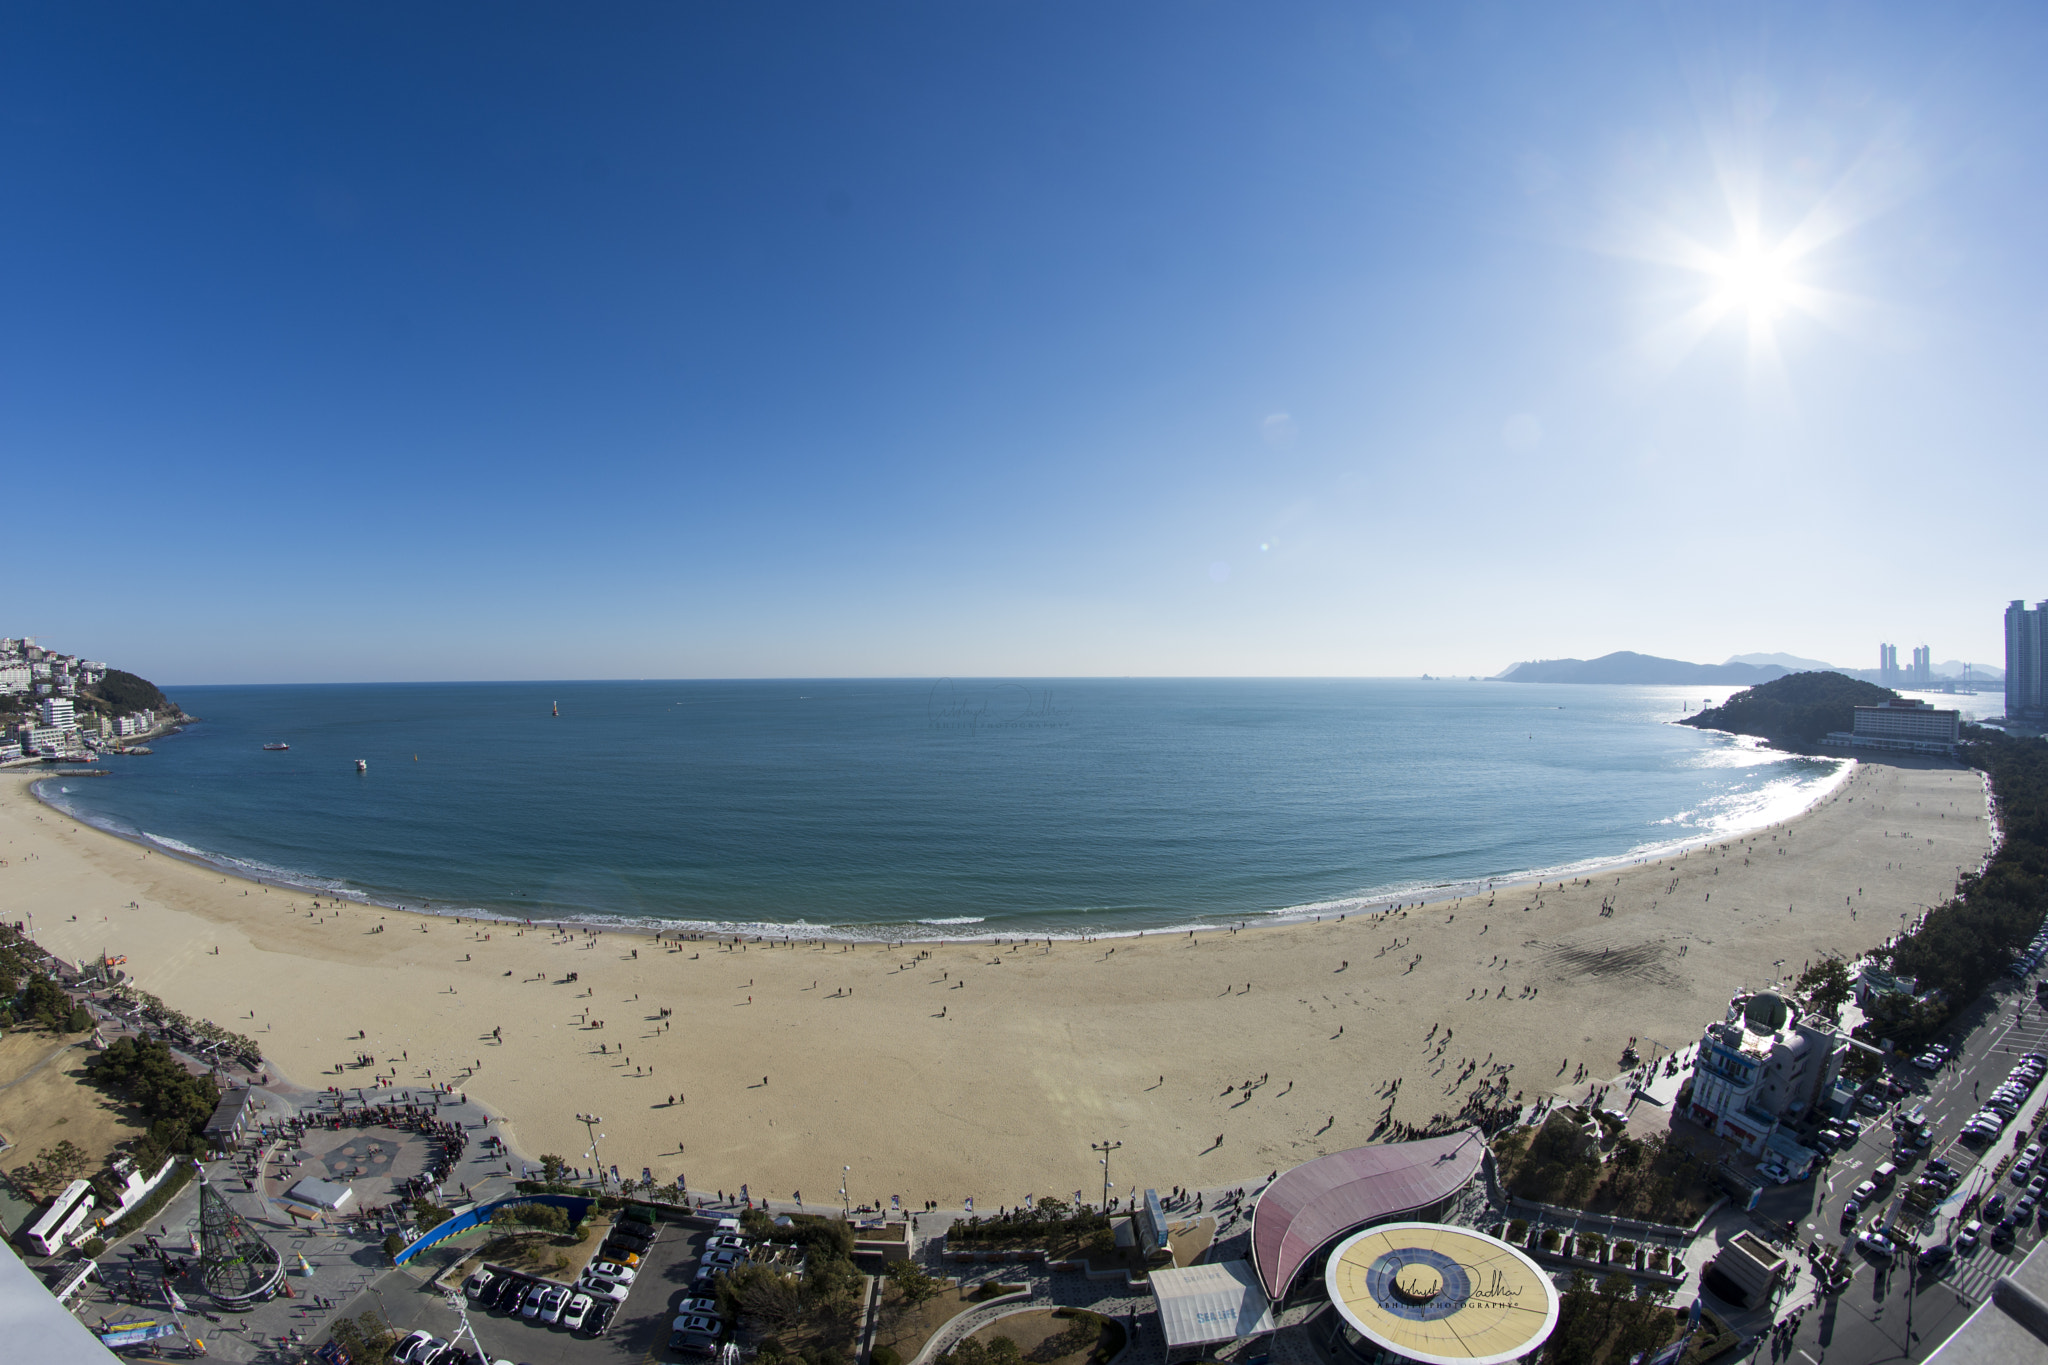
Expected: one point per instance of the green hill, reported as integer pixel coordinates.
(1800, 708)
(121, 693)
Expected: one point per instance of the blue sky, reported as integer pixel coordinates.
(498, 341)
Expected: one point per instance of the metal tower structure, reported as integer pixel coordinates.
(239, 1268)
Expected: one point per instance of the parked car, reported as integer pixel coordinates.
(708, 1307)
(1876, 1245)
(725, 1241)
(416, 1349)
(477, 1285)
(603, 1290)
(552, 1301)
(531, 1308)
(697, 1324)
(612, 1270)
(2022, 1171)
(1972, 1232)
(601, 1311)
(576, 1311)
(1866, 1192)
(1936, 1256)
(1994, 1206)
(1850, 1212)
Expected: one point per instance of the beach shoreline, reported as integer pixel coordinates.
(932, 932)
(971, 1068)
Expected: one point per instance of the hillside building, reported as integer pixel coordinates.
(1902, 726)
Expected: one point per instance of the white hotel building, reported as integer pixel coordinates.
(1911, 727)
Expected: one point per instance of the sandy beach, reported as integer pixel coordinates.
(940, 1073)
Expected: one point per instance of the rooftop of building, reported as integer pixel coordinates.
(1319, 1201)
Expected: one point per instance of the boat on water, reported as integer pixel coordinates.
(276, 746)
(558, 709)
(362, 765)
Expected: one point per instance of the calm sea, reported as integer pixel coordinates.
(900, 808)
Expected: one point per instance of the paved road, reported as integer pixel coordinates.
(1895, 1313)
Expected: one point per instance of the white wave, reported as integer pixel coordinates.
(1743, 751)
(175, 845)
(957, 919)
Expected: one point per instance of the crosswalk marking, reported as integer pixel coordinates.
(1972, 1274)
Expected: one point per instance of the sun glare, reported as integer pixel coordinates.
(1754, 281)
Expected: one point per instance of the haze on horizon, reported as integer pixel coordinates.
(513, 341)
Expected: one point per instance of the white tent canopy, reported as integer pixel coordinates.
(321, 1194)
(1199, 1304)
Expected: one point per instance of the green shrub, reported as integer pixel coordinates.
(884, 1355)
(1552, 1239)
(395, 1243)
(92, 1247)
(546, 1217)
(1518, 1231)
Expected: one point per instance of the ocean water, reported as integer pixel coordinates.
(917, 808)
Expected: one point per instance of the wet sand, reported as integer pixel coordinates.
(988, 1071)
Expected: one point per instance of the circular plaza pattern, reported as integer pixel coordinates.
(1441, 1295)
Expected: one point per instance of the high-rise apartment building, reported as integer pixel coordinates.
(1923, 666)
(1888, 664)
(58, 712)
(2026, 661)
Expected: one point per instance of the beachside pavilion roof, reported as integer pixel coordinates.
(1319, 1201)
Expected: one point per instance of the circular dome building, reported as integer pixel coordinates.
(1437, 1295)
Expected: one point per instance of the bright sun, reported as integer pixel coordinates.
(1755, 282)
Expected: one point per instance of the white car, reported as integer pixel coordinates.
(695, 1323)
(600, 1288)
(552, 1303)
(577, 1309)
(418, 1347)
(612, 1270)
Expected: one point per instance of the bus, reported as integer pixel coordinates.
(50, 1233)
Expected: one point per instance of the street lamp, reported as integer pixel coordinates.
(590, 1122)
(1105, 1148)
(462, 1315)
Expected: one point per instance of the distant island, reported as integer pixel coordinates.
(1797, 709)
(1625, 666)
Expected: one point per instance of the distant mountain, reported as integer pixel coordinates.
(1800, 708)
(1791, 662)
(1978, 672)
(1627, 667)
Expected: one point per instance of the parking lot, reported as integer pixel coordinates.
(638, 1332)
